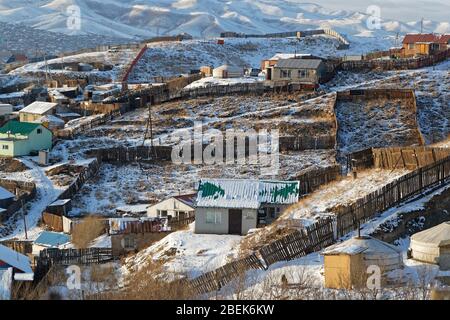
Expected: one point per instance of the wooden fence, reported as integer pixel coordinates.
(294, 245)
(396, 158)
(65, 257)
(26, 192)
(216, 279)
(23, 247)
(313, 179)
(405, 187)
(299, 243)
(87, 172)
(394, 64)
(300, 143)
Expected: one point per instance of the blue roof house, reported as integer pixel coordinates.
(48, 239)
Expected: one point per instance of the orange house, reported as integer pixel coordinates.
(425, 44)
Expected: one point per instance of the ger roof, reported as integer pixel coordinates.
(52, 239)
(16, 127)
(358, 245)
(438, 235)
(299, 63)
(234, 193)
(39, 107)
(15, 259)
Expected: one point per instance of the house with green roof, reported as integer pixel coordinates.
(233, 206)
(22, 138)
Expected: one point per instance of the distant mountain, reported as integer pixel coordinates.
(200, 18)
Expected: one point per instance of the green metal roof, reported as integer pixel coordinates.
(16, 127)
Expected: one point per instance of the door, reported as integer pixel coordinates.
(234, 221)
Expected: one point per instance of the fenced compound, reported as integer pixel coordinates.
(404, 188)
(178, 223)
(71, 132)
(394, 64)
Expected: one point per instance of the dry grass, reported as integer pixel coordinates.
(144, 284)
(87, 230)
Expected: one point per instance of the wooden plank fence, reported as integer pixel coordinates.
(65, 257)
(396, 158)
(399, 190)
(394, 64)
(313, 179)
(294, 245)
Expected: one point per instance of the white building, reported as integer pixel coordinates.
(179, 207)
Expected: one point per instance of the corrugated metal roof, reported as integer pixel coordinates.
(298, 63)
(250, 194)
(16, 127)
(39, 107)
(52, 239)
(427, 38)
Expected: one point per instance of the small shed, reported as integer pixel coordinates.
(37, 110)
(48, 239)
(228, 71)
(432, 245)
(6, 198)
(346, 263)
(60, 207)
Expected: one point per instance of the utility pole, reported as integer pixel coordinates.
(421, 25)
(24, 220)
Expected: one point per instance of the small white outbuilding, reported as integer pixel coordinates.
(228, 71)
(432, 245)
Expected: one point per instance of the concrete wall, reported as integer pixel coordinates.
(249, 220)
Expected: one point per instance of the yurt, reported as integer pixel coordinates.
(346, 263)
(432, 245)
(227, 71)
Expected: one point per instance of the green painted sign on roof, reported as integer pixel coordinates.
(16, 127)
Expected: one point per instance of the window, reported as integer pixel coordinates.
(213, 217)
(39, 131)
(5, 147)
(249, 215)
(302, 73)
(128, 243)
(285, 73)
(411, 46)
(162, 213)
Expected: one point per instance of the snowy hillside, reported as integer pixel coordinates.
(201, 18)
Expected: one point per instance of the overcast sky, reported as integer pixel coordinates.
(403, 10)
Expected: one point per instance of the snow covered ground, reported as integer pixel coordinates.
(210, 81)
(249, 52)
(187, 253)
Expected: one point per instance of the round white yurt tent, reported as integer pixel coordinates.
(432, 245)
(228, 71)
